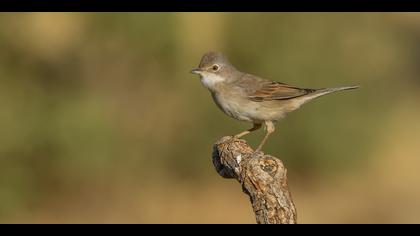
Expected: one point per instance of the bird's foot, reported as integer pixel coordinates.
(236, 136)
(257, 152)
(233, 137)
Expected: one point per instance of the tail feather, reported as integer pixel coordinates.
(330, 90)
(324, 91)
(320, 92)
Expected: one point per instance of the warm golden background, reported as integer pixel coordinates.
(101, 122)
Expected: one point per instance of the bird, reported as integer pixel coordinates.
(252, 99)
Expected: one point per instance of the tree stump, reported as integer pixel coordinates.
(263, 179)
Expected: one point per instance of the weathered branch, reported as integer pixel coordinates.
(263, 178)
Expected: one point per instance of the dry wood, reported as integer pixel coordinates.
(263, 178)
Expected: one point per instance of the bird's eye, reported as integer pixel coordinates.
(215, 67)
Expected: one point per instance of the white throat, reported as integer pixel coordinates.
(210, 80)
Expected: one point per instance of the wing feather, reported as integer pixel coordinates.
(259, 90)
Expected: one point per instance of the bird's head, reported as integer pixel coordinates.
(214, 68)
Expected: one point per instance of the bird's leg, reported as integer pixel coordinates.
(270, 129)
(255, 127)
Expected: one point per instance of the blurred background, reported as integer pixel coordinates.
(101, 121)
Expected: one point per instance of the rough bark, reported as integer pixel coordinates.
(263, 179)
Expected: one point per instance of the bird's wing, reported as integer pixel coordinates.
(259, 90)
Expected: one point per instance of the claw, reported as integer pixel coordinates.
(257, 152)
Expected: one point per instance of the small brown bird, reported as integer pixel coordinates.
(249, 98)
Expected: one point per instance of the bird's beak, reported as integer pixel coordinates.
(196, 71)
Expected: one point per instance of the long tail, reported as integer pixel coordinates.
(331, 90)
(321, 92)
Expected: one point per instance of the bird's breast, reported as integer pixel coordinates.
(239, 107)
(234, 106)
